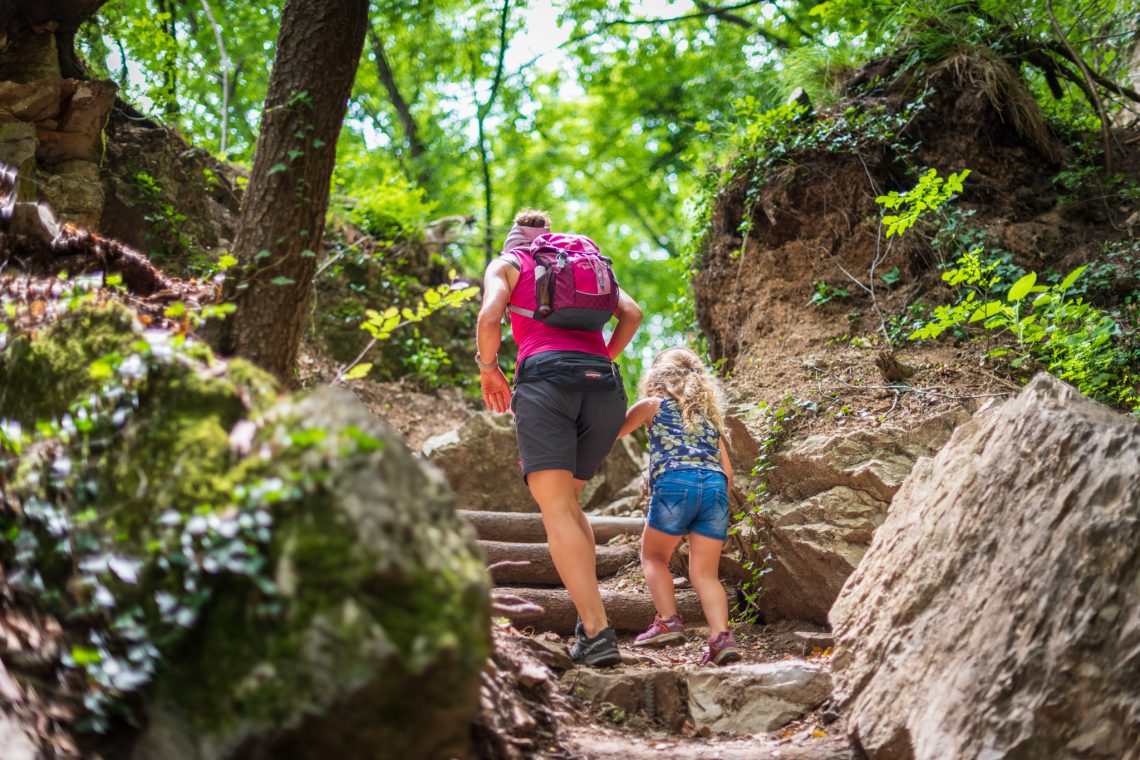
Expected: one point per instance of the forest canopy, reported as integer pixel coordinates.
(610, 113)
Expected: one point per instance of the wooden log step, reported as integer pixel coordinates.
(526, 527)
(628, 611)
(540, 568)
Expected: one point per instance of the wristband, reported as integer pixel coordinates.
(486, 365)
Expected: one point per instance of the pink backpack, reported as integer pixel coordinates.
(574, 284)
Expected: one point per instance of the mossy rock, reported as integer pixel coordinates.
(371, 637)
(171, 450)
(384, 630)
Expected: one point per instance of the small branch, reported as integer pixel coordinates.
(481, 114)
(225, 73)
(1106, 136)
(412, 137)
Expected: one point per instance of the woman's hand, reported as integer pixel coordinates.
(496, 389)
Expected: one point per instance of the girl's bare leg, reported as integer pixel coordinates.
(704, 573)
(571, 545)
(656, 549)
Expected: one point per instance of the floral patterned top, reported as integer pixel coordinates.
(672, 446)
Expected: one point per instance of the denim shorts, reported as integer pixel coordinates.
(690, 501)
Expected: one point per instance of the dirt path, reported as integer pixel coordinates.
(774, 704)
(601, 743)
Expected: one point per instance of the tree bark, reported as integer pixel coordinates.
(526, 528)
(628, 611)
(540, 570)
(283, 214)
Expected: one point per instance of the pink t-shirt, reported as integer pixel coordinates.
(532, 335)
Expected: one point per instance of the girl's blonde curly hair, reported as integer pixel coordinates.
(678, 373)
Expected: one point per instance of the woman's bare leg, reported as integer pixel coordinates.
(704, 573)
(656, 549)
(571, 545)
(582, 519)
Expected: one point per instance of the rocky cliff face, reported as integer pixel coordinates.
(51, 127)
(996, 612)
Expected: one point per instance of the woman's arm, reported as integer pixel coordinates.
(628, 319)
(726, 464)
(489, 336)
(639, 414)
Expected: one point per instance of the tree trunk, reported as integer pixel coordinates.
(283, 213)
(540, 570)
(526, 528)
(628, 611)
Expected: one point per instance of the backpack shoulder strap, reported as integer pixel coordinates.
(539, 259)
(510, 258)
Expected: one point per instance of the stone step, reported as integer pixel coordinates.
(526, 527)
(738, 699)
(628, 611)
(539, 570)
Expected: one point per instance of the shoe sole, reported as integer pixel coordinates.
(662, 640)
(726, 656)
(602, 660)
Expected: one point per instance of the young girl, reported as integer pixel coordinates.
(689, 480)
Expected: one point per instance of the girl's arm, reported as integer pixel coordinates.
(725, 463)
(639, 414)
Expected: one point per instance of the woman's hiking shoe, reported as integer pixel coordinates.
(599, 651)
(722, 649)
(662, 631)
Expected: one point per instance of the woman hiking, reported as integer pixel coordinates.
(569, 403)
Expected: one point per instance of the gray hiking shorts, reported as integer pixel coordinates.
(568, 409)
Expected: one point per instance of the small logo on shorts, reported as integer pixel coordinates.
(593, 375)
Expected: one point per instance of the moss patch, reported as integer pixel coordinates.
(270, 586)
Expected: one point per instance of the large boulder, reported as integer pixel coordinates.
(997, 612)
(245, 574)
(481, 463)
(831, 492)
(385, 625)
(815, 544)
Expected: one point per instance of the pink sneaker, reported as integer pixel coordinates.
(722, 649)
(662, 632)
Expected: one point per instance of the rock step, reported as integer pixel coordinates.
(540, 570)
(526, 527)
(738, 699)
(628, 611)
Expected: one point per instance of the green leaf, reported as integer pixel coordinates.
(175, 310)
(225, 261)
(307, 254)
(101, 369)
(282, 280)
(359, 371)
(262, 254)
(83, 656)
(277, 168)
(1071, 278)
(1021, 288)
(986, 311)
